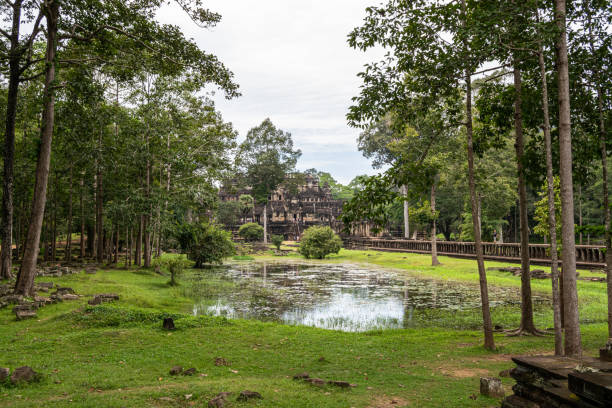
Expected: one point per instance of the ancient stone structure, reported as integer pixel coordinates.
(291, 212)
(560, 382)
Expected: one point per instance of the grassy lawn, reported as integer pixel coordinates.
(116, 355)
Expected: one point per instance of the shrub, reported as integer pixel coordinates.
(318, 242)
(277, 241)
(175, 265)
(205, 243)
(251, 232)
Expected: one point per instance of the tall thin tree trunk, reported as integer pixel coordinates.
(138, 257)
(68, 254)
(489, 342)
(94, 237)
(552, 218)
(434, 239)
(527, 324)
(116, 258)
(127, 245)
(580, 213)
(18, 238)
(406, 213)
(54, 228)
(99, 217)
(573, 343)
(27, 272)
(606, 202)
(147, 219)
(130, 238)
(45, 238)
(265, 222)
(6, 229)
(82, 241)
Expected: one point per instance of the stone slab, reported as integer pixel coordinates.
(559, 367)
(595, 387)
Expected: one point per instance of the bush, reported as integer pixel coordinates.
(251, 232)
(277, 241)
(318, 242)
(175, 265)
(205, 243)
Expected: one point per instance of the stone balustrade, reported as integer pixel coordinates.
(587, 256)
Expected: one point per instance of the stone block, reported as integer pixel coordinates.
(492, 387)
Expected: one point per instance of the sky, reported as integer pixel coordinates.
(293, 64)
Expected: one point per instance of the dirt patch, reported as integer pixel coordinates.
(464, 345)
(465, 372)
(388, 402)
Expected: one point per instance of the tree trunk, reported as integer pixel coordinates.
(27, 272)
(130, 246)
(68, 255)
(489, 342)
(265, 222)
(573, 344)
(580, 213)
(527, 324)
(91, 232)
(82, 241)
(54, 229)
(434, 239)
(94, 236)
(552, 219)
(138, 257)
(606, 201)
(99, 216)
(147, 219)
(116, 258)
(6, 261)
(127, 245)
(406, 213)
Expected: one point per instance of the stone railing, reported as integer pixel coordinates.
(587, 256)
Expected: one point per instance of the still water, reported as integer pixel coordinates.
(343, 297)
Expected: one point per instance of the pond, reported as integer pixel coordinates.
(345, 297)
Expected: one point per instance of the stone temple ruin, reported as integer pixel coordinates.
(291, 211)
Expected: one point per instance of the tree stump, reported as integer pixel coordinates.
(168, 324)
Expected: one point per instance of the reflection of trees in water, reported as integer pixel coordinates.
(272, 291)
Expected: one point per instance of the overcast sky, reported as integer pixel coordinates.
(293, 65)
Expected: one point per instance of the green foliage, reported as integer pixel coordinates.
(265, 158)
(229, 212)
(338, 190)
(318, 242)
(251, 232)
(113, 316)
(277, 240)
(174, 264)
(205, 243)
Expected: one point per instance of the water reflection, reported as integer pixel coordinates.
(339, 297)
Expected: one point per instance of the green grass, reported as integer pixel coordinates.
(116, 355)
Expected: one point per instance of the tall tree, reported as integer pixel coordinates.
(19, 57)
(266, 158)
(573, 344)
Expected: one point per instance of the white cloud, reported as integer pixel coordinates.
(293, 64)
